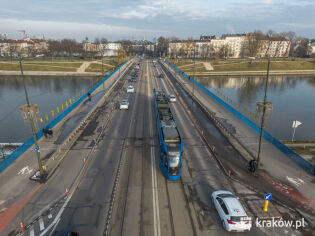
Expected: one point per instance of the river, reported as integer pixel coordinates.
(47, 92)
(293, 98)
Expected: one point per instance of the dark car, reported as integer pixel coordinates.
(133, 79)
(65, 233)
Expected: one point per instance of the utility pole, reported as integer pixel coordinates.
(103, 72)
(30, 115)
(193, 85)
(263, 116)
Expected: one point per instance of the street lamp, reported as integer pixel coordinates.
(31, 119)
(263, 116)
(193, 85)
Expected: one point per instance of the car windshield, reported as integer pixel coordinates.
(124, 102)
(224, 195)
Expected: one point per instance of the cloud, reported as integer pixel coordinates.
(72, 29)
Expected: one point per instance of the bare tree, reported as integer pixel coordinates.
(97, 41)
(253, 44)
(302, 48)
(190, 47)
(69, 46)
(162, 46)
(103, 40)
(54, 47)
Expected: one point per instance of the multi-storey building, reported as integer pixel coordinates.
(230, 46)
(273, 48)
(25, 48)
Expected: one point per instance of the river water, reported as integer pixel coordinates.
(293, 98)
(47, 92)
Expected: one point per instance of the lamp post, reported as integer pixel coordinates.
(193, 82)
(30, 115)
(263, 116)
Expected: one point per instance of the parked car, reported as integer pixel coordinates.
(133, 79)
(130, 89)
(124, 105)
(231, 211)
(172, 98)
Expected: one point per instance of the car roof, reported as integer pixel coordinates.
(234, 206)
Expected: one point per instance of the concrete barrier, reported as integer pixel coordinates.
(19, 151)
(306, 165)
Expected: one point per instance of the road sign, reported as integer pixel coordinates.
(268, 196)
(36, 149)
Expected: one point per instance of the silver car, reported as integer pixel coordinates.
(124, 105)
(172, 98)
(130, 89)
(231, 211)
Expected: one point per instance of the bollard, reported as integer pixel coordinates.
(229, 173)
(213, 149)
(266, 205)
(84, 161)
(22, 227)
(95, 142)
(67, 192)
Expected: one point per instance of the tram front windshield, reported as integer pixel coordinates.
(174, 159)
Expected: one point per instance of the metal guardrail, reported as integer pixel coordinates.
(54, 161)
(306, 165)
(26, 145)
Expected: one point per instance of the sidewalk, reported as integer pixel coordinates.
(15, 186)
(282, 173)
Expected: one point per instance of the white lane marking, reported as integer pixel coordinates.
(25, 170)
(57, 218)
(53, 230)
(32, 233)
(41, 224)
(155, 198)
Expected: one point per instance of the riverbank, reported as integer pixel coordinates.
(247, 73)
(245, 67)
(51, 73)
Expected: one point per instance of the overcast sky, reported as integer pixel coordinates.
(138, 19)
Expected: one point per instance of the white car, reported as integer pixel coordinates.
(172, 98)
(231, 211)
(130, 89)
(124, 105)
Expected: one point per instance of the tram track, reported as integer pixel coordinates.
(171, 193)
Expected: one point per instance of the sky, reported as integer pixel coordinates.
(143, 19)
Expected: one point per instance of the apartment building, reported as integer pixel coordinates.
(25, 47)
(229, 46)
(274, 48)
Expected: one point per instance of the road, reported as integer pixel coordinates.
(122, 190)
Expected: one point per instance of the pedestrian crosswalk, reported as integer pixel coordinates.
(38, 226)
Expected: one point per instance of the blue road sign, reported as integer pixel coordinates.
(36, 149)
(268, 196)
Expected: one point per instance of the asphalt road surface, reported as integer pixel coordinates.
(123, 191)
